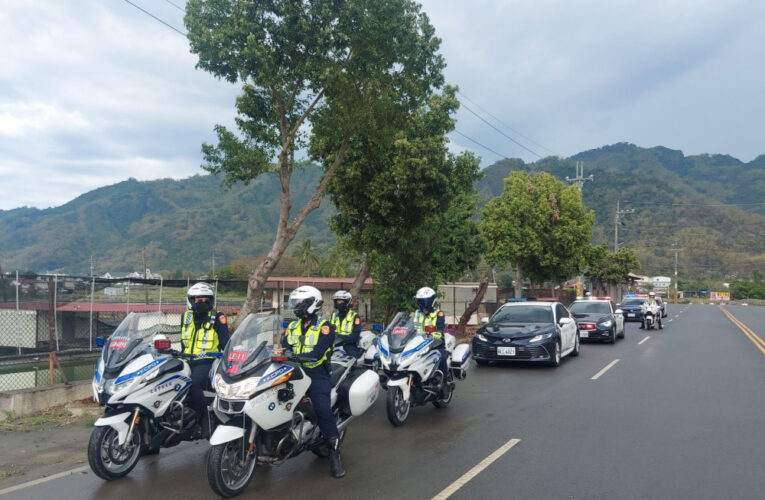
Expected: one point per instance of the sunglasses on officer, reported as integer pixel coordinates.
(201, 300)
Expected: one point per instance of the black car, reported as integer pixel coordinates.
(598, 319)
(541, 332)
(632, 309)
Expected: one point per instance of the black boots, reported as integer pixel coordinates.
(335, 463)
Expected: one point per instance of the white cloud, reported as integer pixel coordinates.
(94, 92)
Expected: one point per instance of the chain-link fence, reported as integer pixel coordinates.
(64, 315)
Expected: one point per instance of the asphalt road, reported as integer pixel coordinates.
(680, 415)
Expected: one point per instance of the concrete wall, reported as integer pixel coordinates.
(30, 401)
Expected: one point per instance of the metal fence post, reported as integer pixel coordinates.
(55, 306)
(92, 297)
(160, 292)
(18, 315)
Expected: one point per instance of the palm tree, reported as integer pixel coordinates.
(307, 255)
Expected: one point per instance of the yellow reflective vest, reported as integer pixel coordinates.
(200, 341)
(344, 326)
(304, 342)
(422, 320)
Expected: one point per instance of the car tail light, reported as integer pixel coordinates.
(588, 326)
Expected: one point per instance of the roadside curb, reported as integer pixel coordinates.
(24, 402)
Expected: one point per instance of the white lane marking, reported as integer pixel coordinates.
(646, 338)
(604, 370)
(669, 321)
(43, 480)
(463, 480)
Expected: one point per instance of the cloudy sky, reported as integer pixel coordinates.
(93, 92)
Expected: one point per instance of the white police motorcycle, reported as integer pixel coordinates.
(411, 366)
(261, 401)
(143, 385)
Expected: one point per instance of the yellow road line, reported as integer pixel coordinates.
(756, 340)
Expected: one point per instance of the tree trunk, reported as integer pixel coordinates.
(518, 279)
(483, 285)
(358, 283)
(286, 230)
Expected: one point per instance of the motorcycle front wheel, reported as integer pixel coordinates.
(107, 458)
(229, 469)
(397, 406)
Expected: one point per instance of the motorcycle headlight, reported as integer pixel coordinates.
(481, 337)
(240, 390)
(538, 338)
(605, 324)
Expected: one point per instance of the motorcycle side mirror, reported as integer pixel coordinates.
(618, 311)
(376, 327)
(484, 320)
(99, 341)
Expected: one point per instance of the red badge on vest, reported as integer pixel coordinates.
(325, 330)
(357, 321)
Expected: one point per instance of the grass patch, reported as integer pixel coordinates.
(58, 416)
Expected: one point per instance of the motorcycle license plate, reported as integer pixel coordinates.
(583, 334)
(506, 351)
(631, 315)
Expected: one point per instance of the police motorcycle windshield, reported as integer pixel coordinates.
(132, 338)
(247, 350)
(400, 331)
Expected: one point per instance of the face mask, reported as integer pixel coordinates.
(202, 307)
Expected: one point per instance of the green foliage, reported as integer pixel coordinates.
(747, 290)
(538, 224)
(405, 204)
(609, 267)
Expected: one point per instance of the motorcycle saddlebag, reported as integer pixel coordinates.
(460, 360)
(358, 391)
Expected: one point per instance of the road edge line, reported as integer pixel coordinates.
(41, 480)
(604, 370)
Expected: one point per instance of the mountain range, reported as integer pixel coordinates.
(710, 208)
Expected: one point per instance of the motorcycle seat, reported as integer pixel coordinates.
(337, 372)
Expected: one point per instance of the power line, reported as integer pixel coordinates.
(156, 18)
(176, 6)
(696, 204)
(505, 124)
(481, 145)
(498, 130)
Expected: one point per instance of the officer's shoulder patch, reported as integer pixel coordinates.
(222, 319)
(440, 313)
(357, 321)
(325, 330)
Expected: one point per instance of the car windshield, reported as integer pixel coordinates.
(523, 314)
(633, 302)
(590, 308)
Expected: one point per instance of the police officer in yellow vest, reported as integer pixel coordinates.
(203, 330)
(311, 337)
(347, 323)
(428, 314)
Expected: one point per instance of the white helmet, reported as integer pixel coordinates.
(342, 300)
(305, 300)
(425, 298)
(651, 294)
(200, 289)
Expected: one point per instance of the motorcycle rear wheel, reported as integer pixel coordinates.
(397, 408)
(107, 458)
(229, 471)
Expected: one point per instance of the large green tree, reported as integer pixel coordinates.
(610, 268)
(537, 225)
(312, 73)
(406, 204)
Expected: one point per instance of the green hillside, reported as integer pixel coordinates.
(180, 222)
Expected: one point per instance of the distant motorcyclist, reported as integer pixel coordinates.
(203, 330)
(428, 314)
(653, 307)
(347, 323)
(311, 338)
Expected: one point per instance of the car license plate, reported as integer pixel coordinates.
(630, 315)
(583, 334)
(506, 351)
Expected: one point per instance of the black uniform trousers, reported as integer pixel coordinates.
(200, 378)
(320, 393)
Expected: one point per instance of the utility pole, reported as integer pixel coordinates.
(213, 264)
(616, 223)
(579, 181)
(676, 250)
(91, 265)
(145, 290)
